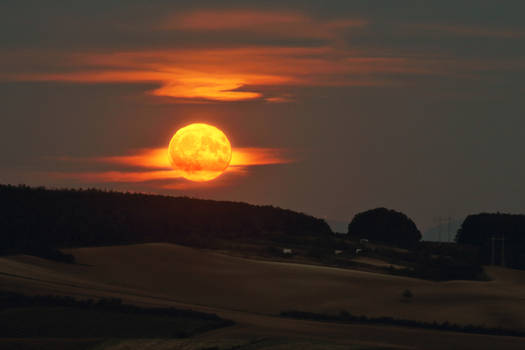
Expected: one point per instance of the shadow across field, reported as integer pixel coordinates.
(23, 316)
(253, 293)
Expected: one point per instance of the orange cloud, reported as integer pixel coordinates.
(279, 99)
(247, 72)
(242, 157)
(238, 73)
(235, 74)
(224, 74)
(157, 158)
(155, 166)
(151, 158)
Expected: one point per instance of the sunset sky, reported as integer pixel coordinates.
(331, 107)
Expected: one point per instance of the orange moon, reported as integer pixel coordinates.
(200, 152)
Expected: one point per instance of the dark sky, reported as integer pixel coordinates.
(413, 105)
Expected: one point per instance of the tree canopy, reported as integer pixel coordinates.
(479, 230)
(386, 226)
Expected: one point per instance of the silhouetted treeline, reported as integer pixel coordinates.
(500, 237)
(386, 226)
(346, 317)
(37, 218)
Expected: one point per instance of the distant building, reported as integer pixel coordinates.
(287, 251)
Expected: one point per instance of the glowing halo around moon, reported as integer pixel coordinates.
(200, 152)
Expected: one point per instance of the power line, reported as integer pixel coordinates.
(438, 221)
(449, 224)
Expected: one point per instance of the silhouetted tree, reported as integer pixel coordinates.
(386, 226)
(478, 230)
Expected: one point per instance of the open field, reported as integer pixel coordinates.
(252, 292)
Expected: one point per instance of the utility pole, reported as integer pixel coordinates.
(503, 250)
(448, 228)
(493, 249)
(439, 222)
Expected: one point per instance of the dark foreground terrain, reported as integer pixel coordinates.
(253, 293)
(23, 316)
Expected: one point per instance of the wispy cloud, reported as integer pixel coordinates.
(157, 158)
(244, 157)
(247, 72)
(152, 164)
(277, 23)
(233, 74)
(472, 31)
(228, 73)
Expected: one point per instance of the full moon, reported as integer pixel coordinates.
(201, 152)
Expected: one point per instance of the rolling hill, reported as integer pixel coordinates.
(252, 292)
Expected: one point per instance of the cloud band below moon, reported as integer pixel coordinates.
(152, 164)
